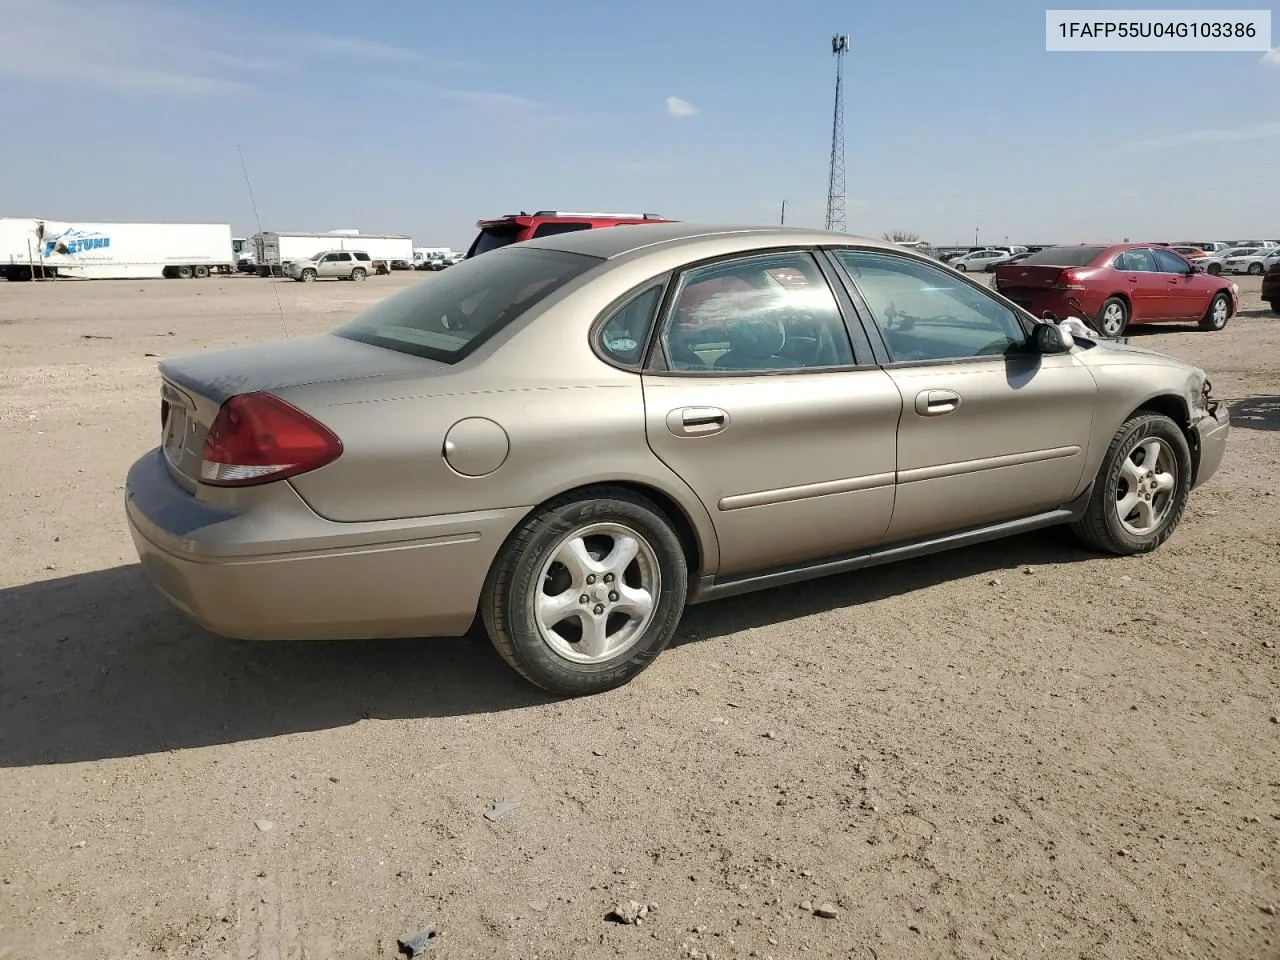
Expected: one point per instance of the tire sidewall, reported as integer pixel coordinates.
(541, 664)
(1141, 429)
(1124, 314)
(1208, 317)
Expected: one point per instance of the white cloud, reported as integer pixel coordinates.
(1253, 131)
(355, 48)
(678, 107)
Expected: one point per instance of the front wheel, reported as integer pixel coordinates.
(358, 274)
(1255, 269)
(1113, 319)
(962, 268)
(308, 276)
(585, 594)
(1219, 312)
(1275, 307)
(1141, 488)
(1214, 269)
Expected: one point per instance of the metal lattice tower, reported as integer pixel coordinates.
(835, 178)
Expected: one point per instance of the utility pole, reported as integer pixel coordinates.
(975, 236)
(835, 175)
(784, 213)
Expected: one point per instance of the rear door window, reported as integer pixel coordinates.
(1136, 261)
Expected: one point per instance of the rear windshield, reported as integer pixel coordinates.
(1063, 257)
(491, 238)
(447, 316)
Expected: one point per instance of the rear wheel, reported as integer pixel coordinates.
(586, 593)
(1218, 314)
(201, 271)
(1113, 319)
(1141, 488)
(308, 276)
(358, 274)
(184, 273)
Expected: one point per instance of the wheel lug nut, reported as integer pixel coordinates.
(599, 608)
(613, 596)
(591, 578)
(584, 599)
(608, 578)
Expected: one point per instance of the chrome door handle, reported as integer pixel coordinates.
(934, 403)
(696, 421)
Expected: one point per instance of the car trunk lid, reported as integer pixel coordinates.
(193, 388)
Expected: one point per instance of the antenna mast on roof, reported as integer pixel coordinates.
(835, 178)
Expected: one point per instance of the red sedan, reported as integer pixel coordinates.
(1117, 285)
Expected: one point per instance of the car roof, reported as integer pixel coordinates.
(617, 241)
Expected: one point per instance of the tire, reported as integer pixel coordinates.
(962, 268)
(184, 273)
(201, 271)
(1275, 306)
(358, 274)
(529, 563)
(1214, 269)
(1219, 312)
(1255, 269)
(1113, 317)
(1101, 526)
(308, 276)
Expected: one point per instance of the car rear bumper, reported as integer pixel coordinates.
(1212, 431)
(279, 571)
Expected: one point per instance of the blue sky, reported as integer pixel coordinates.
(422, 117)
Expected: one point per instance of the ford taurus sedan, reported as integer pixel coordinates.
(575, 437)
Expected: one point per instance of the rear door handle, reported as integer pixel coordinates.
(696, 421)
(934, 403)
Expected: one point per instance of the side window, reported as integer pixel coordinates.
(551, 229)
(1136, 261)
(924, 313)
(329, 258)
(344, 257)
(362, 257)
(767, 312)
(622, 337)
(1166, 262)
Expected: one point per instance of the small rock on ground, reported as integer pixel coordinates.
(415, 944)
(827, 911)
(628, 911)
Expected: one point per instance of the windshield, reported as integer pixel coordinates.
(491, 238)
(1063, 257)
(448, 316)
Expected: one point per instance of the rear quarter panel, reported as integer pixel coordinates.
(570, 420)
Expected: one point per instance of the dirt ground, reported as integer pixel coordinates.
(1017, 750)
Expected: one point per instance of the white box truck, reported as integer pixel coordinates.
(276, 249)
(112, 251)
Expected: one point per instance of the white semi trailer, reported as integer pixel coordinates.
(276, 249)
(112, 251)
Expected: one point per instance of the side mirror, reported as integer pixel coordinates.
(1051, 338)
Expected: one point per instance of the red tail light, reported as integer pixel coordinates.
(258, 438)
(1068, 280)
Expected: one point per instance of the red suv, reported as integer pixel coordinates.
(515, 227)
(1119, 284)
